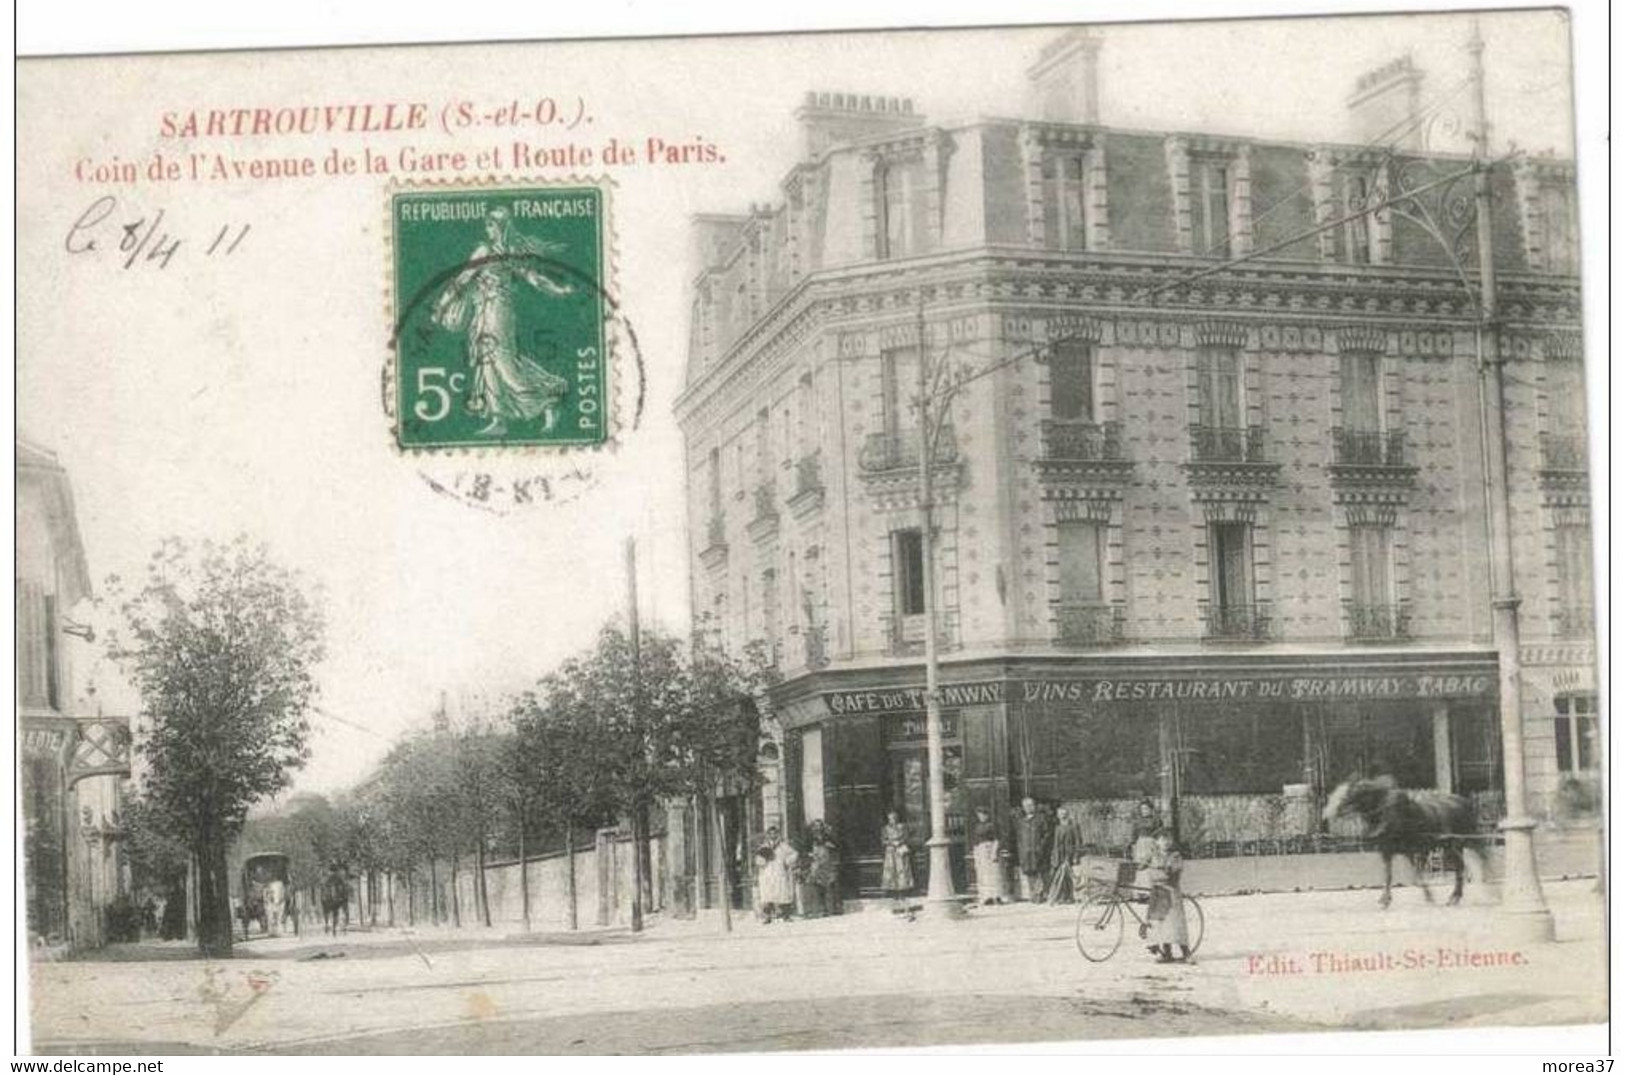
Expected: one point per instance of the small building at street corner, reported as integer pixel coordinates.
(72, 761)
(1212, 534)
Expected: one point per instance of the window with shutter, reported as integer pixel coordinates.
(900, 385)
(1072, 382)
(1210, 207)
(1066, 224)
(1082, 545)
(1219, 388)
(1231, 546)
(908, 573)
(1362, 392)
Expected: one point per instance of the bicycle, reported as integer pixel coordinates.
(1102, 918)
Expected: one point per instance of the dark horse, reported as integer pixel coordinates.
(335, 901)
(1408, 823)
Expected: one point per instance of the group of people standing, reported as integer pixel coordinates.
(1046, 847)
(791, 880)
(1043, 845)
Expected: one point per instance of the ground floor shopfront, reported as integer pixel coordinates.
(1238, 751)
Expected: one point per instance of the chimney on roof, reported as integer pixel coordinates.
(1065, 82)
(830, 119)
(1386, 104)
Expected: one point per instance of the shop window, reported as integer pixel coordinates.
(1210, 206)
(1239, 751)
(1072, 381)
(1376, 741)
(1475, 750)
(900, 207)
(1109, 756)
(1576, 729)
(812, 774)
(908, 573)
(1066, 202)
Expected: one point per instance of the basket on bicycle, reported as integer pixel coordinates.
(1108, 874)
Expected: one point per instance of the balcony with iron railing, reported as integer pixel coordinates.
(1238, 623)
(1090, 624)
(1563, 451)
(1378, 623)
(1368, 448)
(906, 634)
(715, 552)
(808, 493)
(1067, 441)
(764, 520)
(1574, 621)
(899, 449)
(1227, 444)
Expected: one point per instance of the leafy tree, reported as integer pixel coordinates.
(222, 644)
(621, 732)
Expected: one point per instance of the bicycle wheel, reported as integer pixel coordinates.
(1195, 922)
(1100, 928)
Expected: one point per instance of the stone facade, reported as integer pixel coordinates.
(1015, 243)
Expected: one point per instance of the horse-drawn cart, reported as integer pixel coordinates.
(268, 894)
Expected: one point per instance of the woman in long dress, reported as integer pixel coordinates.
(506, 385)
(775, 878)
(1160, 867)
(896, 870)
(985, 849)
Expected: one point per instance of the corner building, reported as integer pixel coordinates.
(1212, 533)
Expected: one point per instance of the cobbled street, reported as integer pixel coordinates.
(867, 979)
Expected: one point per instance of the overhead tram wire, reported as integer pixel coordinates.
(319, 711)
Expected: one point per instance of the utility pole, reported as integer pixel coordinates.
(1522, 901)
(940, 898)
(637, 702)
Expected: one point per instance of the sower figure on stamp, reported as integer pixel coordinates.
(1033, 834)
(506, 385)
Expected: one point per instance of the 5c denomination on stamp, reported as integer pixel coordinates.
(502, 321)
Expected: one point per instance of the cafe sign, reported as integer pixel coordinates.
(912, 699)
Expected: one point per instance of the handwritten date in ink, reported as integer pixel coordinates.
(137, 236)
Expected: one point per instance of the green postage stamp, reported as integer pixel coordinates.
(501, 317)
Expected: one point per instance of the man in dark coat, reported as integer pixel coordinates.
(1033, 833)
(1066, 850)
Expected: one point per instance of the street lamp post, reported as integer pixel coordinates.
(1522, 902)
(940, 898)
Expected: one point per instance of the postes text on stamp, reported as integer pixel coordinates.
(500, 317)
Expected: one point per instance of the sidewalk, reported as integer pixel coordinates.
(1357, 967)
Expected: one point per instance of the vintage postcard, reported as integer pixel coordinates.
(866, 539)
